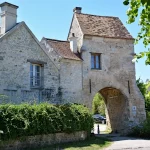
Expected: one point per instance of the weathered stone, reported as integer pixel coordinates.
(43, 140)
(15, 68)
(68, 80)
(117, 73)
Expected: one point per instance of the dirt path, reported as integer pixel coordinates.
(127, 143)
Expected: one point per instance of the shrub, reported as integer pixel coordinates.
(28, 120)
(148, 114)
(142, 130)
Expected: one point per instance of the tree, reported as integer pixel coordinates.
(145, 90)
(141, 9)
(98, 105)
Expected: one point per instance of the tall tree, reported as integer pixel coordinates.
(141, 9)
(98, 105)
(145, 90)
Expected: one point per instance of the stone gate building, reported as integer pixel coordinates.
(97, 57)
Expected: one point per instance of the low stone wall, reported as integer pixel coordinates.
(42, 140)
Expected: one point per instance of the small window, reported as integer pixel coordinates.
(95, 61)
(35, 75)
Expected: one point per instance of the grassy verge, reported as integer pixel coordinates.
(94, 143)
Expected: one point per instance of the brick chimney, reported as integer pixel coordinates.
(8, 16)
(77, 10)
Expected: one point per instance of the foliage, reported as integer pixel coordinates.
(144, 88)
(28, 120)
(140, 9)
(1, 132)
(142, 130)
(148, 114)
(98, 105)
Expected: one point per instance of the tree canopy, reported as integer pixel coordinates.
(141, 9)
(98, 105)
(145, 90)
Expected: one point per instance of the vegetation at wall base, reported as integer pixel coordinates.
(29, 120)
(145, 90)
(142, 130)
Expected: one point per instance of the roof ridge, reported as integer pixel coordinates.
(97, 15)
(56, 40)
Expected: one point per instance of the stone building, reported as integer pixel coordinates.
(26, 71)
(97, 57)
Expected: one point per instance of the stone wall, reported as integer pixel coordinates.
(71, 80)
(43, 140)
(117, 72)
(15, 50)
(70, 75)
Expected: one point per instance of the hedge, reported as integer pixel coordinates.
(28, 120)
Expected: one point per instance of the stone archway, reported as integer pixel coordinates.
(116, 109)
(122, 96)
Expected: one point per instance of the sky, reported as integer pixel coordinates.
(52, 19)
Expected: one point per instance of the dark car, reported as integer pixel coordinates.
(99, 119)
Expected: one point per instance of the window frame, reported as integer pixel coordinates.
(95, 61)
(34, 79)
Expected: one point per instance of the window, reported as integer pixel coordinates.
(95, 61)
(35, 75)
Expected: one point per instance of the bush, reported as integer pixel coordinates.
(142, 131)
(28, 120)
(148, 114)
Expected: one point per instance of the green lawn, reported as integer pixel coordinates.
(94, 143)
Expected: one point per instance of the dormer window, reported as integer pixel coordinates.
(96, 61)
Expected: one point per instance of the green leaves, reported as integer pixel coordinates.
(140, 8)
(1, 132)
(98, 105)
(143, 2)
(144, 88)
(28, 120)
(126, 2)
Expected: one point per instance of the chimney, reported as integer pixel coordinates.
(77, 10)
(8, 16)
(73, 43)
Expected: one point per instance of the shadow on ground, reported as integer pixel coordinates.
(93, 143)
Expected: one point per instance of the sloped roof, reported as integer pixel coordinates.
(103, 26)
(63, 49)
(16, 27)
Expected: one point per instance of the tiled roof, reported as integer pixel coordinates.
(102, 26)
(63, 49)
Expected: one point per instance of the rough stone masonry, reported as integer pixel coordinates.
(97, 57)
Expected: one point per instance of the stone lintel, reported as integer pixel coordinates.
(36, 61)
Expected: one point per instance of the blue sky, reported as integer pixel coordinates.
(52, 18)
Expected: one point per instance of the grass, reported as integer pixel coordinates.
(93, 143)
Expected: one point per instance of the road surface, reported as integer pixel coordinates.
(123, 143)
(127, 143)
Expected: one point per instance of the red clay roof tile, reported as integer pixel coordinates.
(63, 49)
(103, 26)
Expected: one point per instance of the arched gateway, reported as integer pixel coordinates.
(117, 112)
(98, 58)
(124, 103)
